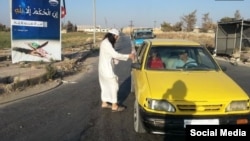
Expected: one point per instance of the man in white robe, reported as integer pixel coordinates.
(107, 78)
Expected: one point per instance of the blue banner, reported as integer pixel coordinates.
(36, 30)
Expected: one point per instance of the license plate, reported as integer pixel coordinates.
(201, 122)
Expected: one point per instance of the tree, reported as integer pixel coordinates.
(177, 26)
(165, 27)
(237, 15)
(226, 19)
(207, 23)
(70, 27)
(75, 28)
(189, 21)
(2, 27)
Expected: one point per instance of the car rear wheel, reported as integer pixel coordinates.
(138, 125)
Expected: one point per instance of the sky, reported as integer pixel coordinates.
(140, 13)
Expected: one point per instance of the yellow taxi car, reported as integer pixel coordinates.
(178, 83)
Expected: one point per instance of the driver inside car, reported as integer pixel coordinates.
(184, 60)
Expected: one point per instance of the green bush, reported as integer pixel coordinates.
(50, 71)
(5, 40)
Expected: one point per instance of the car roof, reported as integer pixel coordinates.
(177, 42)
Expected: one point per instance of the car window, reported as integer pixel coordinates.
(206, 59)
(144, 35)
(196, 59)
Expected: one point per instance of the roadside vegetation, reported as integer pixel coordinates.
(182, 29)
(205, 39)
(76, 39)
(188, 22)
(71, 39)
(5, 40)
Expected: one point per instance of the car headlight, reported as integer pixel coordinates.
(160, 105)
(237, 106)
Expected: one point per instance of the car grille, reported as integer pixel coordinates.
(200, 108)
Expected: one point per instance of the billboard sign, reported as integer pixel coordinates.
(35, 30)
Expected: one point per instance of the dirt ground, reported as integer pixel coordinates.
(71, 64)
(37, 89)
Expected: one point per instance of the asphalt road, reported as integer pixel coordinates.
(239, 73)
(72, 112)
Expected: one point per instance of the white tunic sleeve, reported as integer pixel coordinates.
(106, 56)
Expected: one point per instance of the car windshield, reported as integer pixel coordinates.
(143, 35)
(180, 58)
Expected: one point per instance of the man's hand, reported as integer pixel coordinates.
(132, 56)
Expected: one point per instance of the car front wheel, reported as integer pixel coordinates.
(138, 125)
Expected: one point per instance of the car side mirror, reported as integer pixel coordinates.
(136, 65)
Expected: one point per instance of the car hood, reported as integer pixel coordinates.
(201, 86)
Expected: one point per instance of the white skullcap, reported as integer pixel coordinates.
(114, 31)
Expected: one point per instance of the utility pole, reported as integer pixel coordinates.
(94, 21)
(106, 25)
(131, 25)
(154, 24)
